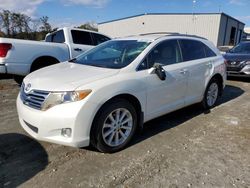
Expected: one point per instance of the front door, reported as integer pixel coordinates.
(167, 95)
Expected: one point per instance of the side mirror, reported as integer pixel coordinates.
(159, 71)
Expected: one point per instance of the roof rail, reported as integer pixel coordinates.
(166, 33)
(172, 34)
(187, 35)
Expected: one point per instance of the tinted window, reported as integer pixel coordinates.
(48, 38)
(192, 50)
(242, 48)
(209, 52)
(57, 37)
(81, 37)
(98, 39)
(166, 53)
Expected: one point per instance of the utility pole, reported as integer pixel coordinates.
(194, 3)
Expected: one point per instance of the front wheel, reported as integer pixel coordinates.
(114, 126)
(211, 94)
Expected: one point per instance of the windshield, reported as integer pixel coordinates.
(114, 54)
(242, 48)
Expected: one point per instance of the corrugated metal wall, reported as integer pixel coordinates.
(215, 27)
(202, 25)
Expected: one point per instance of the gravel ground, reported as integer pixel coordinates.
(187, 148)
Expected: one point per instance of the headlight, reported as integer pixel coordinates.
(55, 98)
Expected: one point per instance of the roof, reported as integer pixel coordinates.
(155, 36)
(138, 15)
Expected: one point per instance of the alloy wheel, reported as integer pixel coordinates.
(117, 127)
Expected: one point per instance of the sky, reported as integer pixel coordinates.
(76, 12)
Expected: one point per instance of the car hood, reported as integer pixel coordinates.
(66, 76)
(237, 57)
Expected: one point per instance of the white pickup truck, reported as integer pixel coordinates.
(20, 57)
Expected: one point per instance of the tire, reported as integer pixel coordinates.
(109, 135)
(18, 79)
(211, 94)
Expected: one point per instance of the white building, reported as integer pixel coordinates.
(220, 28)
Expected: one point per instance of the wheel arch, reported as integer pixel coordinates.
(36, 64)
(131, 99)
(220, 80)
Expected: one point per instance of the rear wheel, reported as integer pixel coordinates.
(211, 94)
(114, 126)
(43, 62)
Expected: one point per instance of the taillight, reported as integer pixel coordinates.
(4, 48)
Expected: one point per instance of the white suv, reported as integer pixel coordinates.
(104, 95)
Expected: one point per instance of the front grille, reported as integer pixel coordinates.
(33, 98)
(235, 66)
(237, 69)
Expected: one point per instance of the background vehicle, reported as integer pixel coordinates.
(104, 95)
(224, 49)
(238, 60)
(20, 57)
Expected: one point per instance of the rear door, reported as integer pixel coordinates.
(82, 41)
(198, 59)
(98, 38)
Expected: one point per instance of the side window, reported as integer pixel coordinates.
(98, 39)
(81, 37)
(209, 52)
(48, 38)
(166, 53)
(192, 50)
(57, 37)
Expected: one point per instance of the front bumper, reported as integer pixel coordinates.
(48, 125)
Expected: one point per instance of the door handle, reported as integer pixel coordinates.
(183, 71)
(78, 49)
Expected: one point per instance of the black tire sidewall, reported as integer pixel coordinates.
(98, 123)
(18, 79)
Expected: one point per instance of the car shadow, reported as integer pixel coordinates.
(239, 78)
(21, 158)
(5, 76)
(178, 117)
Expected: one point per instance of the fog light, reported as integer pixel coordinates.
(66, 132)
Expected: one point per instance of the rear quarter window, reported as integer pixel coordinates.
(192, 49)
(57, 37)
(209, 52)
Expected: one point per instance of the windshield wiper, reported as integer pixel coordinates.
(72, 60)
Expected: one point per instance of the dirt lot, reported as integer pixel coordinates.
(187, 148)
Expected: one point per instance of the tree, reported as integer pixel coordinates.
(46, 27)
(21, 26)
(89, 26)
(6, 21)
